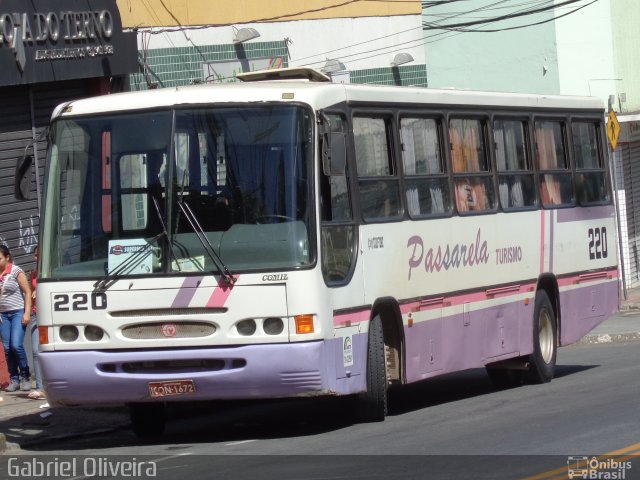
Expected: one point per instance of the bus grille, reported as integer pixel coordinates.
(151, 331)
(159, 312)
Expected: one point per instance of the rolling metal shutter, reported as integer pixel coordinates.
(630, 153)
(19, 221)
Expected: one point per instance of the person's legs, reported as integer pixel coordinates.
(17, 345)
(35, 343)
(5, 332)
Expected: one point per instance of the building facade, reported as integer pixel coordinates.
(51, 51)
(203, 41)
(583, 48)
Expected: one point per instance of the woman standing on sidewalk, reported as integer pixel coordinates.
(15, 312)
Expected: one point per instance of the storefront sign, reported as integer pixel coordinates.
(51, 40)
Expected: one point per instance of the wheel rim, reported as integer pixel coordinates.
(545, 336)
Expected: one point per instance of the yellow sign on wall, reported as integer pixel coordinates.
(166, 13)
(613, 129)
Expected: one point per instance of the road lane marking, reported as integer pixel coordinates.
(238, 443)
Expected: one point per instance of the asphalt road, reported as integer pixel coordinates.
(455, 426)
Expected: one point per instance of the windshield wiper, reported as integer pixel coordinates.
(135, 259)
(206, 244)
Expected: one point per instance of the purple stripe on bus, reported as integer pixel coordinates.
(467, 340)
(585, 308)
(585, 213)
(186, 292)
(471, 340)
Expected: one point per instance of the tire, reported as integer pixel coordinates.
(147, 419)
(542, 362)
(372, 404)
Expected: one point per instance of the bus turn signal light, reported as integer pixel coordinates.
(43, 335)
(304, 324)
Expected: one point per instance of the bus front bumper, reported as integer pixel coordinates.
(244, 372)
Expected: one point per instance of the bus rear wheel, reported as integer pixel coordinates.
(542, 362)
(147, 419)
(372, 404)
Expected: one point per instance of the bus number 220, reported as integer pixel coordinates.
(79, 301)
(597, 243)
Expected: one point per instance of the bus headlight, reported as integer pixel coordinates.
(93, 333)
(246, 327)
(69, 333)
(273, 326)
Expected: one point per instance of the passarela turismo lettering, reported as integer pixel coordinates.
(508, 255)
(447, 257)
(52, 26)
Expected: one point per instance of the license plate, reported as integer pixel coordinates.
(170, 388)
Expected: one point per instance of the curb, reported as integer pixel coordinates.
(629, 307)
(609, 338)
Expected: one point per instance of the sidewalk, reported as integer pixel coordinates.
(25, 423)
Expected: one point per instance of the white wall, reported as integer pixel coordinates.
(518, 60)
(352, 40)
(585, 51)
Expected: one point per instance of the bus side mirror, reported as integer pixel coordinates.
(22, 181)
(334, 153)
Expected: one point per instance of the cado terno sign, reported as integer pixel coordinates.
(45, 40)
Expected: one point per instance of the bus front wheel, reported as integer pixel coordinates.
(147, 419)
(372, 404)
(542, 361)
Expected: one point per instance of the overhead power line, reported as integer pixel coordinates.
(456, 26)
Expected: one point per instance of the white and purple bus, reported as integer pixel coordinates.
(291, 237)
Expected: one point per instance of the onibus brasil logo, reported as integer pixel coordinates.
(597, 468)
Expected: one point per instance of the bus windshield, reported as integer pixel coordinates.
(154, 192)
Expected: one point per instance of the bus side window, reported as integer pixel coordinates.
(377, 179)
(338, 233)
(591, 185)
(427, 184)
(555, 176)
(473, 181)
(516, 185)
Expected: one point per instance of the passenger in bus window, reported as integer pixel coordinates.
(550, 190)
(471, 195)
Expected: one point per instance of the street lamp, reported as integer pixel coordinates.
(244, 34)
